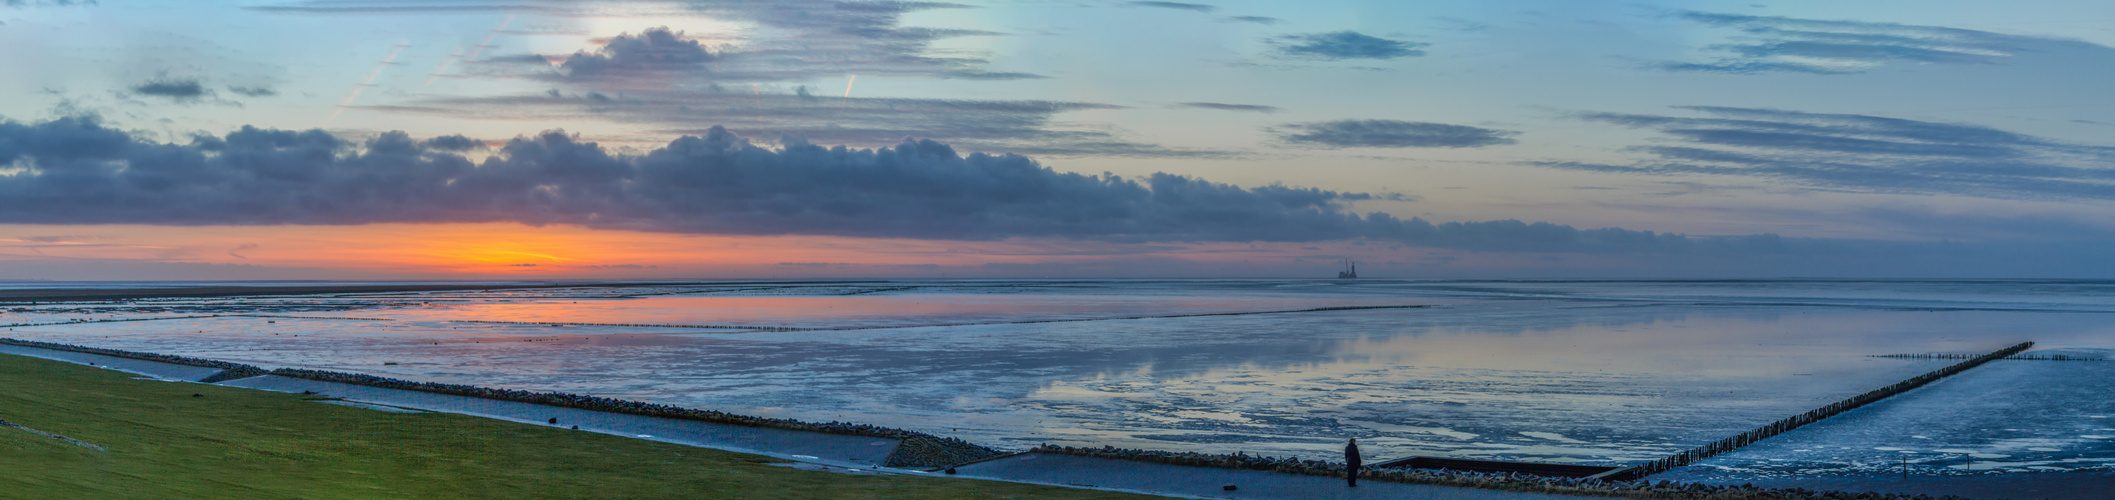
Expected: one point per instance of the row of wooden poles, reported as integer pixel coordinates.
(646, 325)
(2029, 357)
(1781, 426)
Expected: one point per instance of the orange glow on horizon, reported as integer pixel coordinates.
(517, 251)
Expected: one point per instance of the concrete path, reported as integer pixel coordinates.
(165, 371)
(833, 449)
(371, 406)
(1205, 482)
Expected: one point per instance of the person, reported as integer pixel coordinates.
(1351, 463)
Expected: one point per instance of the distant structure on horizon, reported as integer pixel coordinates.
(1350, 272)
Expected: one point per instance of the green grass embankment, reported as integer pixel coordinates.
(238, 443)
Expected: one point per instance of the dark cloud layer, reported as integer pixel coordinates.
(1782, 44)
(76, 171)
(1344, 45)
(1866, 153)
(1390, 134)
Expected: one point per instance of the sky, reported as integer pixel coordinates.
(750, 139)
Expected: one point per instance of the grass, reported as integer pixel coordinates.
(241, 443)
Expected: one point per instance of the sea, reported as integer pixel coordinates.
(1603, 372)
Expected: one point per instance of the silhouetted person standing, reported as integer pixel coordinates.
(1351, 462)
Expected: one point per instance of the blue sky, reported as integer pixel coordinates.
(1923, 138)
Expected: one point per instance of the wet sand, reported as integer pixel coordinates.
(2018, 485)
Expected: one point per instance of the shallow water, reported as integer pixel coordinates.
(1565, 371)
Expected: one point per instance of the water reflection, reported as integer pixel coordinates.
(1570, 371)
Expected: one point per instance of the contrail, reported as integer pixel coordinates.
(841, 105)
(488, 38)
(443, 68)
(386, 61)
(474, 50)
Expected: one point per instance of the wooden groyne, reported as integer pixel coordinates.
(1796, 421)
(2025, 357)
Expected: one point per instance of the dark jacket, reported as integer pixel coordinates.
(1351, 454)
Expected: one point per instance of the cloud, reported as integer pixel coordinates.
(194, 90)
(1344, 45)
(54, 239)
(1014, 126)
(664, 58)
(988, 75)
(253, 91)
(452, 143)
(1865, 153)
(77, 171)
(660, 77)
(1254, 108)
(1783, 44)
(1390, 134)
(797, 40)
(180, 89)
(1254, 19)
(757, 81)
(1193, 7)
(655, 49)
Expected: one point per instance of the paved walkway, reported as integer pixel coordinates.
(166, 371)
(833, 449)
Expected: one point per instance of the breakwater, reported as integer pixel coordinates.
(1463, 464)
(229, 371)
(1779, 427)
(1481, 480)
(2025, 357)
(916, 449)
